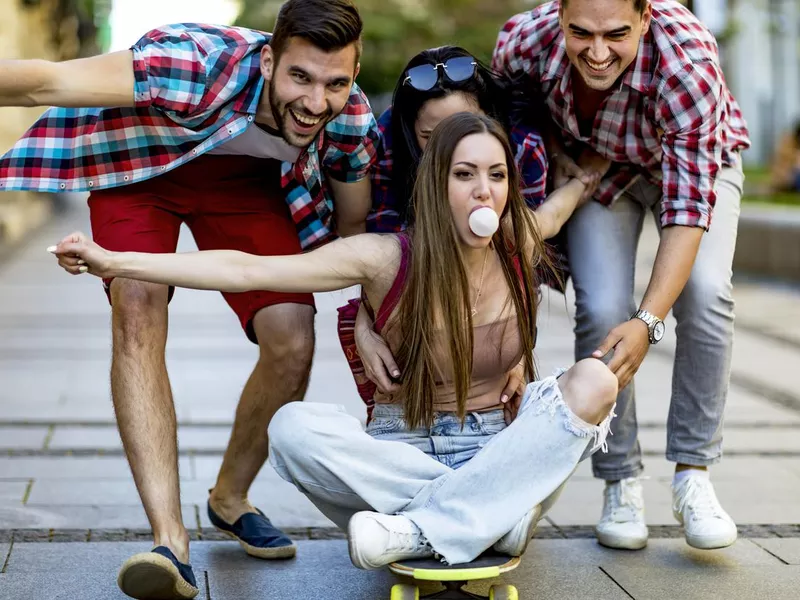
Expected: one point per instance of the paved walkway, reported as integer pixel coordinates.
(63, 477)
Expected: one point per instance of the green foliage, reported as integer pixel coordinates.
(395, 30)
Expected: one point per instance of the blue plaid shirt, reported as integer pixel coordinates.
(196, 87)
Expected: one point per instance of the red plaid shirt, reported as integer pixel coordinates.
(671, 119)
(196, 87)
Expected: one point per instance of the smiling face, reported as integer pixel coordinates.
(602, 38)
(307, 87)
(478, 177)
(436, 110)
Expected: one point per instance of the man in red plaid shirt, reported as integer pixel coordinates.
(247, 138)
(640, 82)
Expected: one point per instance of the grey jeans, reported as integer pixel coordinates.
(602, 244)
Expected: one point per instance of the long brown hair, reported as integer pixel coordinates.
(435, 299)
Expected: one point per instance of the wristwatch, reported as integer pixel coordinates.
(655, 326)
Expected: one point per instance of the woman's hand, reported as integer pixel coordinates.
(379, 364)
(78, 254)
(511, 397)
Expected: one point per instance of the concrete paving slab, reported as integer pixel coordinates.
(646, 583)
(72, 556)
(107, 438)
(323, 570)
(40, 516)
(68, 585)
(735, 440)
(659, 553)
(761, 471)
(788, 550)
(581, 503)
(12, 491)
(60, 407)
(17, 438)
(772, 501)
(85, 438)
(281, 501)
(75, 467)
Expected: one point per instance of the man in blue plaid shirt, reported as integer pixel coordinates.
(247, 138)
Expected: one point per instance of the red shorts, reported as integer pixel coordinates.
(228, 202)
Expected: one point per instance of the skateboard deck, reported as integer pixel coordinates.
(455, 577)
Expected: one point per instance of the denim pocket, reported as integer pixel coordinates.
(492, 428)
(386, 425)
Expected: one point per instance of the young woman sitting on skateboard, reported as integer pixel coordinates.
(437, 471)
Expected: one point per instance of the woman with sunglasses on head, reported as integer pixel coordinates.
(437, 471)
(435, 84)
(440, 82)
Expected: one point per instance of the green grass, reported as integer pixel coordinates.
(756, 186)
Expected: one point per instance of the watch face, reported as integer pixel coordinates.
(658, 331)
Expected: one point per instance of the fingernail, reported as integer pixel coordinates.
(504, 398)
(83, 269)
(395, 373)
(81, 262)
(51, 249)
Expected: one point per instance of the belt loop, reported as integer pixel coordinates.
(478, 418)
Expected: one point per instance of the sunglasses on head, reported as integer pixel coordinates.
(424, 77)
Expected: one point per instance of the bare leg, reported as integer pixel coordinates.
(589, 389)
(143, 404)
(285, 335)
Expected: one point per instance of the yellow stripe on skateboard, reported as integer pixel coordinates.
(456, 574)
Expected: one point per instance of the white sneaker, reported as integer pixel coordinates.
(622, 524)
(695, 506)
(515, 541)
(376, 540)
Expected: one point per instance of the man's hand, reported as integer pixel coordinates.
(511, 397)
(630, 342)
(78, 254)
(379, 364)
(564, 169)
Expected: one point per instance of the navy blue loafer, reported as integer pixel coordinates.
(157, 575)
(256, 535)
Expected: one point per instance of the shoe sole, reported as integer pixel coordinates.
(536, 517)
(150, 576)
(355, 557)
(266, 553)
(619, 543)
(714, 543)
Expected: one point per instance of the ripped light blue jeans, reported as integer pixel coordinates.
(463, 487)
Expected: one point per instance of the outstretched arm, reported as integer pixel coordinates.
(338, 265)
(105, 80)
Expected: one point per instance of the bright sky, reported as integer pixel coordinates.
(130, 19)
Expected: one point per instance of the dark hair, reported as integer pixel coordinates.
(328, 24)
(638, 5)
(485, 87)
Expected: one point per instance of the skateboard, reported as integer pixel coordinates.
(455, 577)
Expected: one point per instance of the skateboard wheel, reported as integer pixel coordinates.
(501, 592)
(403, 591)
